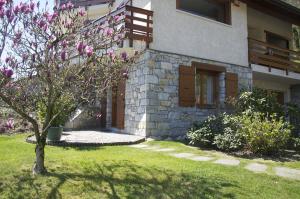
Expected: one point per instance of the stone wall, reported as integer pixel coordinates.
(164, 116)
(152, 107)
(135, 98)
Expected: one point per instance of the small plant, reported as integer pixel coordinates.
(263, 135)
(296, 144)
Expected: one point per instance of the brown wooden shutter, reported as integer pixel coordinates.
(231, 85)
(187, 86)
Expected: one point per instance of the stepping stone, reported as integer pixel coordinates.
(201, 158)
(139, 146)
(257, 168)
(182, 155)
(229, 162)
(287, 173)
(151, 148)
(164, 150)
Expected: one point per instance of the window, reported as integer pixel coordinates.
(277, 40)
(219, 10)
(206, 88)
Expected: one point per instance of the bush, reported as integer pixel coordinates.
(258, 100)
(296, 144)
(216, 131)
(264, 135)
(63, 108)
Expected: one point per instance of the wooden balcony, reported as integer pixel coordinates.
(265, 54)
(138, 23)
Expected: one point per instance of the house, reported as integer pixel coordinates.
(199, 53)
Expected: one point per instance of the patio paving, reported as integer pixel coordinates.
(229, 162)
(93, 138)
(287, 173)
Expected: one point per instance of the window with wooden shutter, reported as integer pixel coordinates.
(231, 85)
(186, 86)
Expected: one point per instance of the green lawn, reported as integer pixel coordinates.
(125, 172)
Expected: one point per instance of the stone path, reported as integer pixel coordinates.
(229, 162)
(254, 167)
(287, 172)
(257, 168)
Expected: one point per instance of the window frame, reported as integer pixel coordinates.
(215, 91)
(227, 11)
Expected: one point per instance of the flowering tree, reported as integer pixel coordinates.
(55, 57)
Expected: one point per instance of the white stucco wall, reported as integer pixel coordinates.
(259, 22)
(183, 33)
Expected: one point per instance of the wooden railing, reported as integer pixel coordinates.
(138, 23)
(272, 56)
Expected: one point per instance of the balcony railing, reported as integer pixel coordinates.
(138, 23)
(272, 56)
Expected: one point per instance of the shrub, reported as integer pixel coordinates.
(296, 144)
(258, 100)
(230, 139)
(219, 131)
(264, 135)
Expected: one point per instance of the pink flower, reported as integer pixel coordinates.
(8, 13)
(124, 56)
(117, 18)
(109, 31)
(111, 54)
(80, 47)
(17, 9)
(10, 124)
(64, 43)
(7, 59)
(2, 2)
(89, 51)
(8, 73)
(23, 7)
(63, 55)
(32, 6)
(81, 12)
(63, 7)
(70, 5)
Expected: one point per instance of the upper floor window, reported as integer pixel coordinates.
(219, 10)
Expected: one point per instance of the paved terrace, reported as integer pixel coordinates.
(93, 138)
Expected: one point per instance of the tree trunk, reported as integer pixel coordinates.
(39, 167)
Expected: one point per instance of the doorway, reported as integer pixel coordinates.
(118, 105)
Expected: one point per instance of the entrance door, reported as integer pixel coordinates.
(118, 106)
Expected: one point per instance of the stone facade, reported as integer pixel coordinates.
(152, 101)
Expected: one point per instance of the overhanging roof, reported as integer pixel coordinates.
(278, 8)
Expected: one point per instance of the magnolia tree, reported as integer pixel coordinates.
(53, 58)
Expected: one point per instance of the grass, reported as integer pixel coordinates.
(124, 172)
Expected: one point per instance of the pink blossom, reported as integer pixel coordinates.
(17, 9)
(63, 7)
(89, 51)
(2, 2)
(64, 43)
(111, 54)
(41, 23)
(70, 5)
(81, 12)
(7, 59)
(32, 6)
(23, 7)
(7, 72)
(8, 13)
(117, 18)
(124, 56)
(109, 31)
(63, 55)
(10, 124)
(80, 47)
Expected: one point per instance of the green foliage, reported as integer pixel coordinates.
(62, 108)
(219, 131)
(264, 135)
(296, 144)
(258, 100)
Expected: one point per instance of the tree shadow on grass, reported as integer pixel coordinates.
(119, 180)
